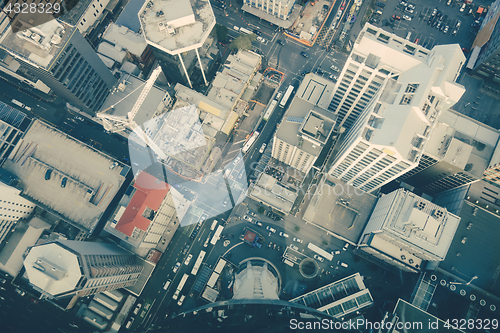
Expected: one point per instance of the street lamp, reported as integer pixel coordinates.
(466, 284)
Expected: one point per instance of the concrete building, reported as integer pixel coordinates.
(76, 269)
(306, 126)
(269, 191)
(13, 207)
(255, 282)
(338, 299)
(124, 95)
(378, 57)
(177, 29)
(66, 177)
(389, 136)
(13, 124)
(148, 216)
(484, 60)
(278, 12)
(54, 57)
(458, 152)
(406, 231)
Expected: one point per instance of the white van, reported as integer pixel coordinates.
(167, 284)
(214, 224)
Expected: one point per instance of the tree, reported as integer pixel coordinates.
(220, 32)
(243, 42)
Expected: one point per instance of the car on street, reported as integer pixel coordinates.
(335, 252)
(270, 244)
(167, 284)
(294, 247)
(257, 32)
(346, 246)
(411, 6)
(343, 264)
(262, 148)
(188, 259)
(380, 4)
(137, 308)
(269, 228)
(181, 300)
(260, 39)
(281, 42)
(176, 267)
(259, 223)
(20, 292)
(186, 248)
(406, 17)
(304, 54)
(318, 258)
(2, 281)
(298, 240)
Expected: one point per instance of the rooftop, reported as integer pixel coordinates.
(129, 84)
(144, 205)
(39, 45)
(316, 90)
(418, 221)
(268, 190)
(125, 38)
(89, 185)
(128, 17)
(340, 208)
(298, 127)
(474, 251)
(176, 26)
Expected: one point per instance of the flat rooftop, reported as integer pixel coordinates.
(419, 222)
(267, 189)
(126, 85)
(316, 90)
(90, 184)
(176, 26)
(340, 209)
(296, 118)
(39, 45)
(474, 251)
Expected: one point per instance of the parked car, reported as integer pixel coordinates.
(2, 281)
(260, 39)
(270, 244)
(137, 308)
(259, 224)
(129, 323)
(335, 252)
(181, 300)
(270, 229)
(434, 12)
(333, 77)
(224, 204)
(318, 258)
(409, 10)
(334, 68)
(411, 6)
(343, 264)
(406, 17)
(257, 32)
(294, 247)
(445, 30)
(462, 8)
(298, 240)
(380, 4)
(346, 246)
(395, 17)
(304, 54)
(176, 267)
(188, 259)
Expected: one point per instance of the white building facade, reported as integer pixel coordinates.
(406, 230)
(278, 8)
(389, 135)
(12, 208)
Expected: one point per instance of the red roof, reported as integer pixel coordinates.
(150, 193)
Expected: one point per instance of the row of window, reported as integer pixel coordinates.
(16, 203)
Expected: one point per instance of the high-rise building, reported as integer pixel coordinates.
(484, 60)
(55, 57)
(457, 153)
(406, 230)
(177, 29)
(392, 130)
(72, 268)
(255, 282)
(377, 56)
(12, 207)
(306, 125)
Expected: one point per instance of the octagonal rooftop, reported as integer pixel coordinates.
(176, 26)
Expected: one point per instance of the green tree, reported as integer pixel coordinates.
(242, 42)
(261, 210)
(220, 32)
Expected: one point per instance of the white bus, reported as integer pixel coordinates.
(321, 252)
(216, 236)
(214, 224)
(198, 262)
(248, 32)
(287, 96)
(270, 110)
(180, 286)
(250, 142)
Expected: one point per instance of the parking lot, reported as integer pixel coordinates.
(423, 26)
